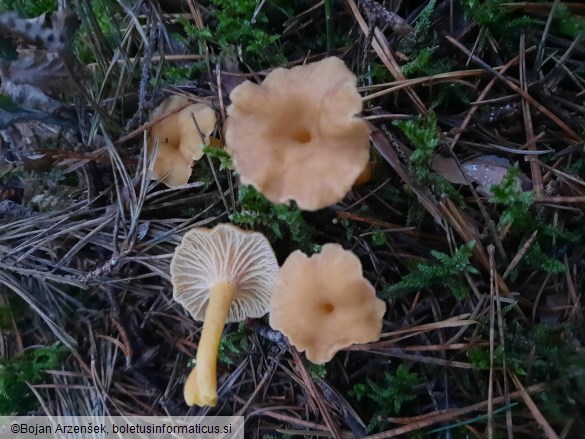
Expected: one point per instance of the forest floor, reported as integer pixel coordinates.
(471, 227)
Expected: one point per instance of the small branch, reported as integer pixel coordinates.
(329, 25)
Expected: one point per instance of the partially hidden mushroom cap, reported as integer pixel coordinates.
(179, 138)
(224, 254)
(323, 303)
(296, 136)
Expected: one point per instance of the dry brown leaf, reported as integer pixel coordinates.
(39, 68)
(33, 76)
(378, 15)
(37, 72)
(485, 171)
(231, 81)
(54, 32)
(386, 150)
(29, 97)
(29, 143)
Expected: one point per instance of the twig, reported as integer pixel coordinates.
(490, 400)
(528, 128)
(329, 25)
(454, 413)
(525, 394)
(570, 133)
(519, 255)
(380, 45)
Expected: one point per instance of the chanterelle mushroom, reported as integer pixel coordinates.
(296, 137)
(323, 303)
(220, 275)
(179, 139)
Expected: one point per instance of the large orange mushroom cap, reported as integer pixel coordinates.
(179, 139)
(296, 136)
(323, 303)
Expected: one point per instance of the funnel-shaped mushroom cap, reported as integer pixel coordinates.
(179, 139)
(324, 304)
(224, 254)
(296, 137)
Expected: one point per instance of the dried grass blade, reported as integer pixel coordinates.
(562, 125)
(384, 147)
(452, 322)
(519, 255)
(528, 126)
(316, 396)
(548, 431)
(383, 51)
(452, 414)
(59, 332)
(81, 243)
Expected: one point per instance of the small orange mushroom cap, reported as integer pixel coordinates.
(179, 139)
(296, 137)
(323, 303)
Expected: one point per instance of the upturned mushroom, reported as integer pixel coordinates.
(220, 275)
(323, 303)
(180, 139)
(296, 136)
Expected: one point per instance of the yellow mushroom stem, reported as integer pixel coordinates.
(201, 385)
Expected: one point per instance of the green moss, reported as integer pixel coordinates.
(425, 64)
(16, 372)
(445, 271)
(522, 218)
(317, 370)
(29, 8)
(225, 160)
(517, 203)
(173, 74)
(422, 133)
(498, 24)
(280, 220)
(539, 354)
(378, 72)
(379, 238)
(420, 50)
(238, 26)
(233, 345)
(536, 257)
(388, 396)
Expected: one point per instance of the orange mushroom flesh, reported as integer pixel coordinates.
(220, 275)
(296, 137)
(366, 175)
(179, 138)
(323, 303)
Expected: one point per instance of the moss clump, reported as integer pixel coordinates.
(280, 220)
(387, 396)
(15, 373)
(445, 271)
